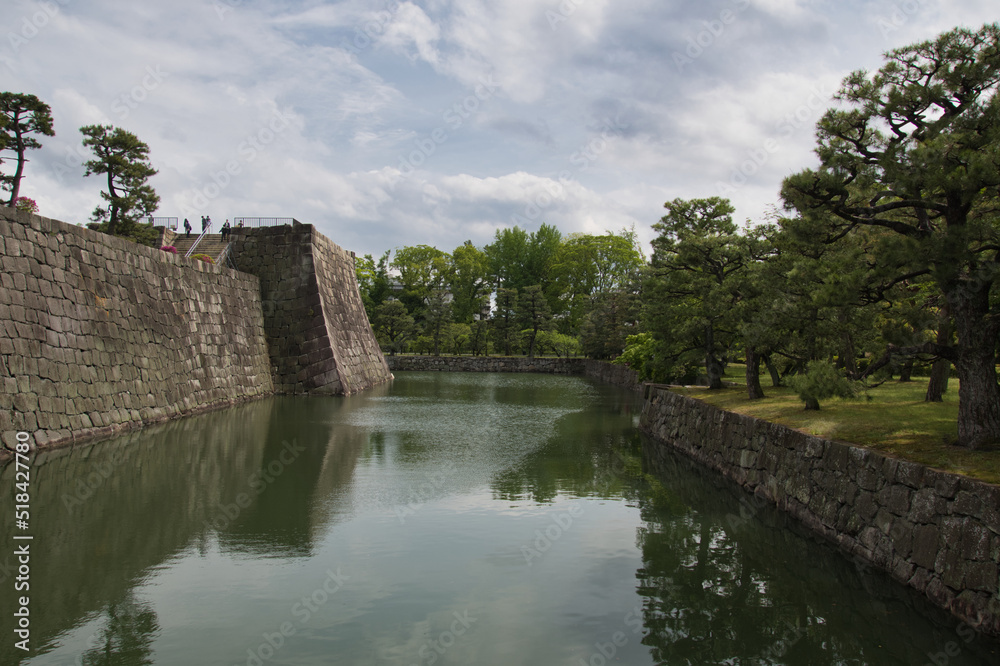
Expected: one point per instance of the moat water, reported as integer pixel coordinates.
(475, 519)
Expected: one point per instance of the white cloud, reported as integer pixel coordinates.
(360, 82)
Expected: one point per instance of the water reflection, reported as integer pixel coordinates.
(107, 515)
(527, 505)
(726, 579)
(126, 637)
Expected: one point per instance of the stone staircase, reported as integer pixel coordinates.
(211, 245)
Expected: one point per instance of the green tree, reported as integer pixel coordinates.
(456, 338)
(21, 115)
(124, 160)
(692, 286)
(518, 259)
(437, 317)
(422, 270)
(504, 322)
(469, 282)
(820, 381)
(373, 281)
(613, 317)
(393, 326)
(533, 315)
(479, 337)
(586, 267)
(915, 152)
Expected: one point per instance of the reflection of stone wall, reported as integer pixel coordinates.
(936, 532)
(260, 479)
(319, 336)
(98, 334)
(105, 514)
(618, 375)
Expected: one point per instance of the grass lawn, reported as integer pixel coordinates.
(892, 419)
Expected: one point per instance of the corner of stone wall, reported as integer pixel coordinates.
(319, 337)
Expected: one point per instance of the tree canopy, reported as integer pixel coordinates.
(21, 116)
(915, 150)
(124, 160)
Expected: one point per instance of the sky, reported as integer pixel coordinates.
(388, 124)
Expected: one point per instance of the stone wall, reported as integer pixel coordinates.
(98, 334)
(619, 375)
(936, 532)
(319, 337)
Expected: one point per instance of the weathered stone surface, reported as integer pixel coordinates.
(98, 334)
(319, 335)
(936, 532)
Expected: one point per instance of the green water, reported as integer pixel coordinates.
(446, 519)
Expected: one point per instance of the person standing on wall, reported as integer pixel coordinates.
(187, 228)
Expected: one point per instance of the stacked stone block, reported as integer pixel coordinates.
(936, 532)
(619, 375)
(319, 337)
(99, 334)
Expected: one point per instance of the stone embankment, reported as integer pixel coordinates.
(936, 532)
(98, 334)
(318, 331)
(619, 375)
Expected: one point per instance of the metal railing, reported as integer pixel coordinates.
(254, 222)
(168, 222)
(208, 227)
(223, 257)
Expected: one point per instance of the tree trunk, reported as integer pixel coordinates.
(938, 384)
(772, 369)
(15, 185)
(848, 356)
(906, 370)
(754, 390)
(713, 366)
(941, 370)
(812, 404)
(978, 393)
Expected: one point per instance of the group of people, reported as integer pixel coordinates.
(206, 222)
(227, 230)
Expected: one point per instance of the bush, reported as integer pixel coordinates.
(820, 381)
(26, 204)
(638, 354)
(203, 257)
(169, 248)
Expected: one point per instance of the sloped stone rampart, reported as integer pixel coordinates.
(98, 334)
(939, 533)
(318, 334)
